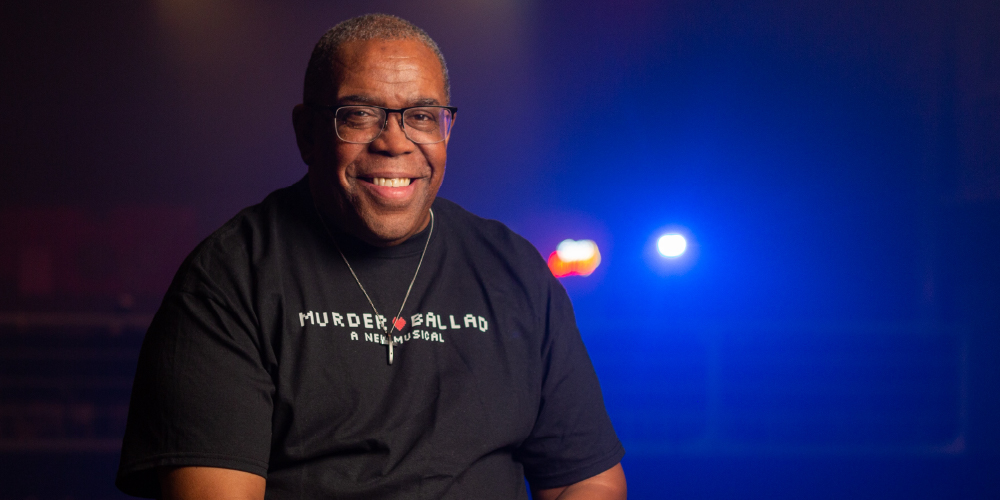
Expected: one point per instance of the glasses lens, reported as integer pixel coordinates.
(427, 125)
(360, 124)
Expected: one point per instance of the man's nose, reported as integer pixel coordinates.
(393, 141)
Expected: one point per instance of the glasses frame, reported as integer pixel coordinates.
(387, 111)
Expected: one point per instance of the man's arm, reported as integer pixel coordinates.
(210, 483)
(608, 485)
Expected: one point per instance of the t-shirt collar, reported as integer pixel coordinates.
(354, 247)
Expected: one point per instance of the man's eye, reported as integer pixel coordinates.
(421, 116)
(358, 116)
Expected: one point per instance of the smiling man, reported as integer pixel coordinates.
(372, 176)
(354, 336)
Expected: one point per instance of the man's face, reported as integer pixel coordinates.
(360, 185)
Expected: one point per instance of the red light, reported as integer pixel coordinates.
(574, 258)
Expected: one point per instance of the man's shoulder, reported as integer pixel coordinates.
(487, 238)
(253, 231)
(278, 209)
(468, 224)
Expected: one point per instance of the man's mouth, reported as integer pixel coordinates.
(389, 182)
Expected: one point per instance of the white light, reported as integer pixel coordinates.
(671, 245)
(575, 251)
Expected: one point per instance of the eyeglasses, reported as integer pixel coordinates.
(363, 124)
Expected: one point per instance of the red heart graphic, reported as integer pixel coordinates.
(399, 323)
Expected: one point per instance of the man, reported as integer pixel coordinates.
(353, 336)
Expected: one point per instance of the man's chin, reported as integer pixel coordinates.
(389, 230)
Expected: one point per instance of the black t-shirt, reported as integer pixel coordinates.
(266, 357)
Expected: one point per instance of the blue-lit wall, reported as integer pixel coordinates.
(834, 330)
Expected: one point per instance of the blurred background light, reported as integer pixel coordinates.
(574, 258)
(671, 250)
(671, 245)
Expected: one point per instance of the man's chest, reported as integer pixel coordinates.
(465, 380)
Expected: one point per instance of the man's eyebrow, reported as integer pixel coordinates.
(426, 101)
(359, 98)
(366, 99)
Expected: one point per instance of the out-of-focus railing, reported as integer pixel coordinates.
(65, 380)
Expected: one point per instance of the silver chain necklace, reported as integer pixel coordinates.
(385, 328)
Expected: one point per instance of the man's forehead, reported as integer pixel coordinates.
(365, 51)
(407, 68)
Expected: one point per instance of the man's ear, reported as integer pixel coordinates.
(302, 121)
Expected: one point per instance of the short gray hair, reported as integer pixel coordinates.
(366, 27)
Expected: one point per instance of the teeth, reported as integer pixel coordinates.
(397, 182)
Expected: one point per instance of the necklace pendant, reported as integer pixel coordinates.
(362, 287)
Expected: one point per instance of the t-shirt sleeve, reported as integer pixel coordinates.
(201, 395)
(573, 438)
